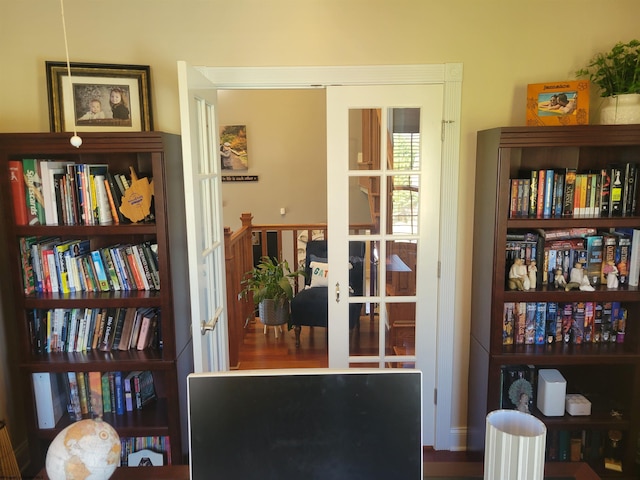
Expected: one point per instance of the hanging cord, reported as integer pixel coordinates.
(76, 141)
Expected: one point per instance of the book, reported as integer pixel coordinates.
(517, 386)
(48, 169)
(629, 190)
(28, 278)
(106, 393)
(33, 188)
(119, 389)
(508, 323)
(50, 399)
(541, 323)
(147, 328)
(617, 191)
(18, 192)
(127, 329)
(119, 322)
(609, 244)
(533, 194)
(146, 388)
(548, 194)
(589, 322)
(634, 260)
(129, 390)
(551, 322)
(569, 190)
(605, 193)
(530, 324)
(520, 322)
(95, 394)
(100, 271)
(74, 408)
(107, 337)
(593, 268)
(83, 393)
(577, 327)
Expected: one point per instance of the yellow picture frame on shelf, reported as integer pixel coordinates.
(558, 103)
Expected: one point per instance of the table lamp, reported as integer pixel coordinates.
(514, 446)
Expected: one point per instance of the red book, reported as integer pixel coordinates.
(16, 177)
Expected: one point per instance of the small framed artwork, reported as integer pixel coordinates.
(558, 103)
(233, 148)
(99, 97)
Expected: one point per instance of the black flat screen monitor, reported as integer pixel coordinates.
(306, 424)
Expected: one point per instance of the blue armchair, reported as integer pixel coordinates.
(310, 307)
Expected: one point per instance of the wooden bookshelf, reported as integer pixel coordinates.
(154, 155)
(608, 373)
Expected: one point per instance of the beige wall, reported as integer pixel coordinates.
(503, 45)
(286, 144)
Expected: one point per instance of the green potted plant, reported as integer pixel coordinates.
(270, 285)
(617, 75)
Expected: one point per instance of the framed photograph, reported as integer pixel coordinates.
(98, 97)
(558, 103)
(233, 148)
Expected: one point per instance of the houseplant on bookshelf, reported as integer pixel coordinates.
(617, 74)
(270, 285)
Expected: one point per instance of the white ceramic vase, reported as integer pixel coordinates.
(620, 109)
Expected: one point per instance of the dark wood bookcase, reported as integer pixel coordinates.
(608, 374)
(154, 155)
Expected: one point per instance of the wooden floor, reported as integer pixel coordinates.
(260, 351)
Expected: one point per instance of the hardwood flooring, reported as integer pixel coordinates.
(260, 351)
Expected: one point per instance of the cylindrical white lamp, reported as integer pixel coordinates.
(514, 446)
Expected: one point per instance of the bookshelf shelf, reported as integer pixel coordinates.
(152, 155)
(608, 374)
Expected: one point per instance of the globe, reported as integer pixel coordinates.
(87, 449)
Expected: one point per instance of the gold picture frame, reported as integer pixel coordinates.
(99, 97)
(558, 103)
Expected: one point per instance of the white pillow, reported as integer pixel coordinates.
(319, 274)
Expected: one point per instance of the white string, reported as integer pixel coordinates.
(75, 139)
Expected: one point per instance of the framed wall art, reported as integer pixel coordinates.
(233, 148)
(99, 97)
(558, 103)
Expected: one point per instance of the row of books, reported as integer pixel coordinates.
(598, 252)
(549, 193)
(54, 265)
(90, 394)
(47, 192)
(86, 329)
(576, 446)
(539, 323)
(139, 451)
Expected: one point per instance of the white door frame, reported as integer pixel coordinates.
(449, 74)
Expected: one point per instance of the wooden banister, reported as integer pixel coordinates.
(239, 259)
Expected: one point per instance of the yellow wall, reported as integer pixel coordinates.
(503, 45)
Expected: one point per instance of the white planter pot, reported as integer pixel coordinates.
(620, 109)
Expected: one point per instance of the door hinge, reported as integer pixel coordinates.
(435, 396)
(439, 268)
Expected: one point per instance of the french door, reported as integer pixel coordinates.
(205, 229)
(384, 156)
(433, 308)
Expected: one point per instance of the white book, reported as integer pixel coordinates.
(47, 170)
(50, 399)
(634, 262)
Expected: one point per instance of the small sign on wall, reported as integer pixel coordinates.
(240, 178)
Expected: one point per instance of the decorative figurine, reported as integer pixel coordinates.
(578, 280)
(518, 278)
(611, 271)
(559, 280)
(532, 270)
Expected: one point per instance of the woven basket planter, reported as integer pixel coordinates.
(273, 312)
